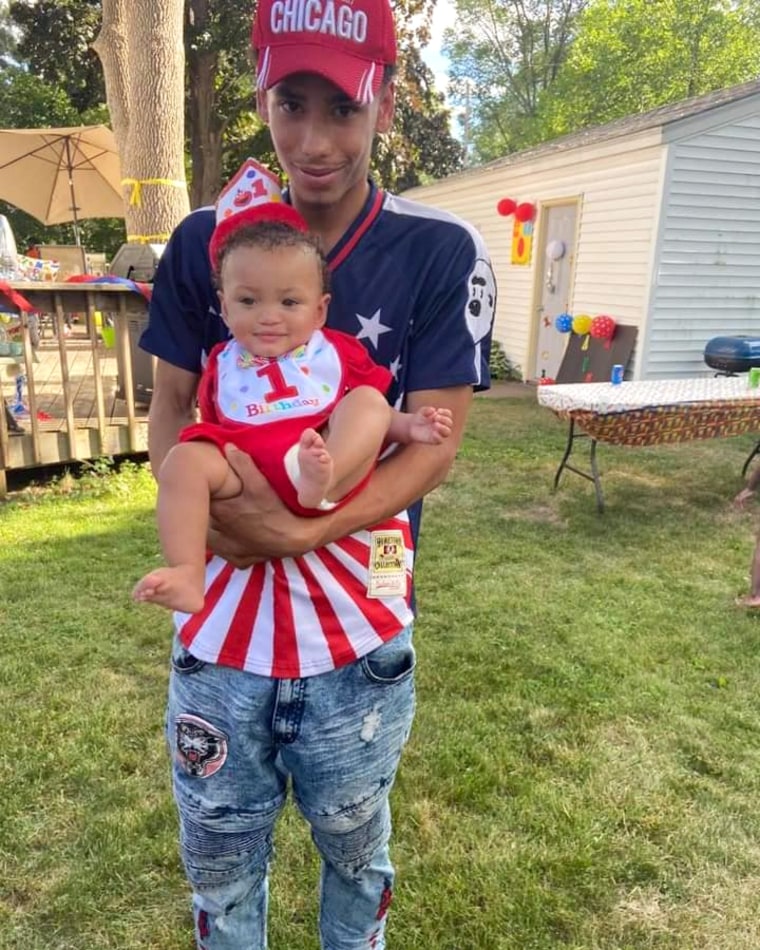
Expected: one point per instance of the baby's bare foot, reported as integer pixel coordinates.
(749, 600)
(316, 469)
(176, 588)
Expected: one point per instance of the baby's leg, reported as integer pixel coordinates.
(191, 475)
(315, 469)
(330, 468)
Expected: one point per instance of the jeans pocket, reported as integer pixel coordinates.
(184, 663)
(393, 662)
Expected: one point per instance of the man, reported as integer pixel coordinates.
(334, 711)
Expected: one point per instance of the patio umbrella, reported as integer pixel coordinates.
(60, 175)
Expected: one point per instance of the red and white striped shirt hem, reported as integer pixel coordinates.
(297, 617)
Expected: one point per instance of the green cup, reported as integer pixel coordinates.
(754, 377)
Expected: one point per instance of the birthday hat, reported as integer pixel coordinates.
(251, 185)
(252, 194)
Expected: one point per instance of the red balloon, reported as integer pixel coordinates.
(547, 381)
(525, 211)
(506, 207)
(602, 327)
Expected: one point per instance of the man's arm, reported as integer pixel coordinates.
(172, 407)
(256, 524)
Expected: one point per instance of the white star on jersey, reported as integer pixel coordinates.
(395, 367)
(371, 329)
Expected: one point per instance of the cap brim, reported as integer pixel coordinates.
(360, 79)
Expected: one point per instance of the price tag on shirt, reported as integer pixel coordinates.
(387, 565)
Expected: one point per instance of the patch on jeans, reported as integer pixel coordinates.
(201, 749)
(204, 928)
(385, 900)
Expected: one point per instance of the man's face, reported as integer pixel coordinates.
(324, 139)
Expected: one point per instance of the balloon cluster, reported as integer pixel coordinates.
(524, 211)
(601, 327)
(582, 324)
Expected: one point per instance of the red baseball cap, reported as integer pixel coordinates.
(348, 42)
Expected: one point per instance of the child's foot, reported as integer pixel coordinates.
(749, 600)
(431, 425)
(177, 588)
(316, 469)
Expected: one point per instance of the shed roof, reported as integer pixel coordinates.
(656, 118)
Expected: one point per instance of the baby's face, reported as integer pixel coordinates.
(272, 299)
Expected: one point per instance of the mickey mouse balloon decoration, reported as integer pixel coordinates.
(506, 206)
(525, 212)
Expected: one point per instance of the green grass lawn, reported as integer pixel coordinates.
(584, 770)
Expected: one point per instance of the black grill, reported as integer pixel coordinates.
(732, 354)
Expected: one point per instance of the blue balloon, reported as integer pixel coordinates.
(564, 323)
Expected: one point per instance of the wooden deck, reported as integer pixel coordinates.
(81, 399)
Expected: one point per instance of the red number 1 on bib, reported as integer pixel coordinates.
(279, 390)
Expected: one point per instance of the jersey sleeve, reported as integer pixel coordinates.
(361, 369)
(183, 293)
(450, 341)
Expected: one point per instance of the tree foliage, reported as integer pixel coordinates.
(531, 70)
(54, 44)
(7, 38)
(420, 146)
(504, 55)
(634, 56)
(220, 95)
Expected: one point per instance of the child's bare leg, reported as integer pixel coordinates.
(191, 474)
(752, 599)
(315, 469)
(331, 467)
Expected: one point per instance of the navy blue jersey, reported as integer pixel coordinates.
(412, 283)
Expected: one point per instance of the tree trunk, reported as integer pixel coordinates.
(206, 125)
(142, 51)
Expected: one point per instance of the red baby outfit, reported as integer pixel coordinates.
(262, 405)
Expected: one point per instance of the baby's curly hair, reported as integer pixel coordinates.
(269, 236)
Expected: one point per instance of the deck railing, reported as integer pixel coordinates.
(82, 398)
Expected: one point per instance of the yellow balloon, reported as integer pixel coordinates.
(582, 324)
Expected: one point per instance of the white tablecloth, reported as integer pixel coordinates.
(605, 398)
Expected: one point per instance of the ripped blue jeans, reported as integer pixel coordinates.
(236, 738)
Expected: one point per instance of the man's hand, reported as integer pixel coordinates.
(256, 525)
